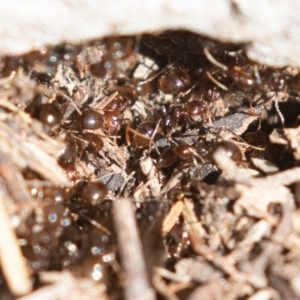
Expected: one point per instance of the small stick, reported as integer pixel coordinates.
(197, 233)
(12, 262)
(101, 105)
(124, 184)
(172, 216)
(136, 283)
(173, 180)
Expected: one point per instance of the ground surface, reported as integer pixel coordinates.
(148, 167)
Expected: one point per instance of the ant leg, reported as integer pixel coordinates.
(239, 138)
(127, 137)
(278, 111)
(152, 137)
(154, 76)
(71, 101)
(198, 156)
(183, 94)
(256, 74)
(159, 73)
(94, 223)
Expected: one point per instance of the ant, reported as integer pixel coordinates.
(272, 81)
(172, 80)
(109, 58)
(185, 153)
(48, 113)
(166, 121)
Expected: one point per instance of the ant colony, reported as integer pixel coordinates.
(138, 117)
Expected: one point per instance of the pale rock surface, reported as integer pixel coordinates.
(271, 28)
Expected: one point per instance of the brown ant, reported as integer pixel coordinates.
(144, 135)
(80, 138)
(91, 118)
(166, 121)
(201, 152)
(173, 80)
(183, 152)
(110, 58)
(106, 115)
(192, 112)
(271, 82)
(46, 112)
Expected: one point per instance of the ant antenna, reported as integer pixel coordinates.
(216, 82)
(71, 100)
(278, 111)
(213, 60)
(94, 223)
(239, 138)
(152, 137)
(137, 43)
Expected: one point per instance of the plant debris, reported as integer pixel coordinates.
(157, 166)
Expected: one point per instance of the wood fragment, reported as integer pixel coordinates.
(210, 290)
(287, 177)
(64, 285)
(136, 282)
(172, 217)
(162, 288)
(196, 233)
(12, 261)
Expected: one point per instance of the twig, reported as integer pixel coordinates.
(131, 175)
(136, 283)
(287, 177)
(172, 216)
(196, 233)
(13, 264)
(65, 286)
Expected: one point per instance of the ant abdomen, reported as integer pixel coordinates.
(49, 114)
(112, 120)
(126, 97)
(196, 108)
(230, 149)
(94, 192)
(91, 120)
(174, 80)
